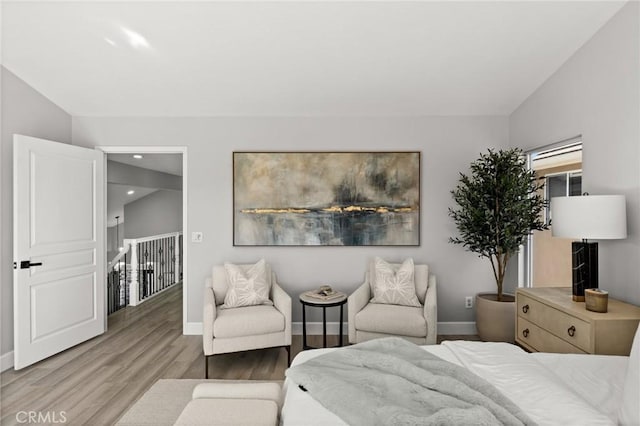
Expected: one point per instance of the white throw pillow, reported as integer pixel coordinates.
(394, 286)
(247, 288)
(629, 413)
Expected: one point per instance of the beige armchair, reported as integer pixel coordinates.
(373, 320)
(245, 328)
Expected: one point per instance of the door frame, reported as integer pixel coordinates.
(159, 149)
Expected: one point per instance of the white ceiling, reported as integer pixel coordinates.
(117, 197)
(167, 163)
(293, 58)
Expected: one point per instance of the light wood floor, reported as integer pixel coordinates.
(95, 382)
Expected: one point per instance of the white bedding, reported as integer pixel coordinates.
(553, 389)
(598, 379)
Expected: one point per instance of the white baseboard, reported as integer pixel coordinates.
(6, 361)
(461, 328)
(192, 329)
(315, 328)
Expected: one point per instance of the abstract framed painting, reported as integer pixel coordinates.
(326, 198)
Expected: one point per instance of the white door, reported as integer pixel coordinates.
(58, 245)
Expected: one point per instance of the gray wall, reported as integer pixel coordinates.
(448, 145)
(596, 93)
(157, 213)
(112, 244)
(25, 112)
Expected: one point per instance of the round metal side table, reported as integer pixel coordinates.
(339, 300)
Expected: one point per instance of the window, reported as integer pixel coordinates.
(562, 184)
(546, 260)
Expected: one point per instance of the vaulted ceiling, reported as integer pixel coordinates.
(241, 58)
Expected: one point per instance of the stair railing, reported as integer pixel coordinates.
(155, 266)
(117, 283)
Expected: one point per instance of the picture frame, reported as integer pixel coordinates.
(317, 198)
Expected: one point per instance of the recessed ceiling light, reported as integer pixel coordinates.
(131, 192)
(135, 39)
(137, 156)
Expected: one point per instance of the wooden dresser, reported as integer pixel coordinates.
(548, 320)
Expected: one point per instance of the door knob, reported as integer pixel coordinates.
(26, 264)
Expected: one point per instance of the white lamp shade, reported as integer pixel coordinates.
(596, 217)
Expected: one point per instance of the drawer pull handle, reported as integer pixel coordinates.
(572, 331)
(525, 332)
(525, 308)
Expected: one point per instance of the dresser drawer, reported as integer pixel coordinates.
(566, 327)
(542, 341)
(551, 316)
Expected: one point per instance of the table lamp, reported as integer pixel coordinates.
(596, 217)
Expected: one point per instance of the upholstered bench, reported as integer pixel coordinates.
(232, 404)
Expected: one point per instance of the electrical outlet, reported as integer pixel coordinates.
(196, 237)
(468, 302)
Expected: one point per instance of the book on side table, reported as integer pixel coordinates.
(324, 293)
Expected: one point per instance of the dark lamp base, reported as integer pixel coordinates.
(584, 258)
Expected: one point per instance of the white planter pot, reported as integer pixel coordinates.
(496, 321)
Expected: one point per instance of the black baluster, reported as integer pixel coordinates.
(121, 286)
(172, 259)
(154, 262)
(140, 271)
(160, 265)
(148, 264)
(152, 265)
(163, 262)
(114, 288)
(126, 285)
(149, 255)
(109, 292)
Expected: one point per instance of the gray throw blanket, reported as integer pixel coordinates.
(393, 382)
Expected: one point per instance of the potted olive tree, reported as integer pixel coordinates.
(498, 206)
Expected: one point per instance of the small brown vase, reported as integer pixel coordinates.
(495, 320)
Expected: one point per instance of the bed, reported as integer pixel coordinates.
(552, 389)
